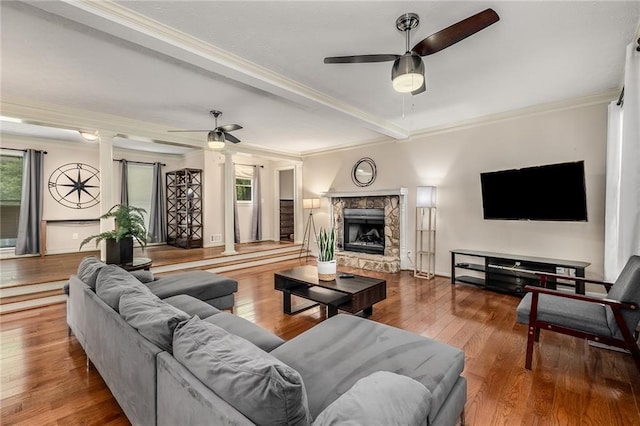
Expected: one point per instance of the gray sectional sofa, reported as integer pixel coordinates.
(179, 360)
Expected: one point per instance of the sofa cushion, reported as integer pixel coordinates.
(113, 281)
(262, 388)
(382, 398)
(154, 319)
(585, 316)
(202, 285)
(192, 306)
(143, 276)
(239, 326)
(88, 270)
(339, 351)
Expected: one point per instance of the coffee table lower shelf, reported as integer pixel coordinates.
(315, 296)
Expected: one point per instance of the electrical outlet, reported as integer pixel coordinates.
(216, 238)
(74, 236)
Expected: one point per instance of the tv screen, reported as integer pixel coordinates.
(550, 192)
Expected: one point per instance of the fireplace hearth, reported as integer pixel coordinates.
(364, 230)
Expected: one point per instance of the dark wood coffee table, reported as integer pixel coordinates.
(346, 294)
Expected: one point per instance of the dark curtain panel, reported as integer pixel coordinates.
(236, 226)
(28, 241)
(256, 218)
(157, 218)
(124, 182)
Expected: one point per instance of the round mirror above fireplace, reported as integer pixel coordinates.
(364, 172)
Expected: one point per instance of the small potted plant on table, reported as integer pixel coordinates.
(129, 225)
(326, 255)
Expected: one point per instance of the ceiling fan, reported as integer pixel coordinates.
(217, 137)
(407, 73)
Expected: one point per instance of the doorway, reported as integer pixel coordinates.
(286, 195)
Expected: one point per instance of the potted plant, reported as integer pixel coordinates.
(326, 255)
(129, 225)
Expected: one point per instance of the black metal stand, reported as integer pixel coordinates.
(307, 235)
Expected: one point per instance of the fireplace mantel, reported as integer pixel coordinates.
(366, 193)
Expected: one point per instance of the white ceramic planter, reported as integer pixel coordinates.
(327, 270)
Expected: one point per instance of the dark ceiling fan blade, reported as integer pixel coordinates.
(229, 127)
(358, 59)
(421, 88)
(230, 138)
(183, 131)
(456, 32)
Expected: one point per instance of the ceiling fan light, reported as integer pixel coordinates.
(215, 140)
(407, 73)
(89, 136)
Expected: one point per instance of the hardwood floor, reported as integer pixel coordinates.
(44, 380)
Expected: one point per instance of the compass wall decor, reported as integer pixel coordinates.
(75, 185)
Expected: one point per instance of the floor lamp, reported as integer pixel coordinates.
(310, 204)
(425, 257)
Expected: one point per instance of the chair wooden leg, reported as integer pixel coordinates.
(537, 336)
(633, 347)
(531, 337)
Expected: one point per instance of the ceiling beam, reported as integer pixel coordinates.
(121, 22)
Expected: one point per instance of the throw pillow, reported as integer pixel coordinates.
(382, 398)
(261, 387)
(154, 319)
(88, 270)
(112, 282)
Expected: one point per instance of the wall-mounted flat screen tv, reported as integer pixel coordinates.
(550, 192)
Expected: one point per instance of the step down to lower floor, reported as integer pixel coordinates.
(32, 304)
(32, 296)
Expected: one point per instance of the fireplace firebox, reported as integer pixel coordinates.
(364, 230)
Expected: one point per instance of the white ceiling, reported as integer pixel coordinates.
(167, 63)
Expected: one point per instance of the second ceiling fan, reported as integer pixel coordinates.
(407, 73)
(220, 134)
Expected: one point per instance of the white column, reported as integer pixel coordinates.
(105, 140)
(298, 216)
(229, 187)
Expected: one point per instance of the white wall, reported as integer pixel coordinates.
(66, 237)
(453, 161)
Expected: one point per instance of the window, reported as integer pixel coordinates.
(10, 191)
(140, 187)
(244, 189)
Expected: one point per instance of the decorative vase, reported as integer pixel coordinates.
(327, 270)
(121, 252)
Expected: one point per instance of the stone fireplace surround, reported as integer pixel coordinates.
(394, 204)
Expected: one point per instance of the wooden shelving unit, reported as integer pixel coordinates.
(184, 208)
(286, 220)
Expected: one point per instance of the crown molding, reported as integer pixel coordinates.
(119, 21)
(516, 114)
(572, 103)
(107, 124)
